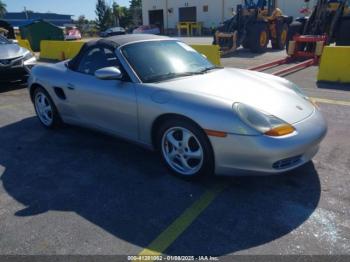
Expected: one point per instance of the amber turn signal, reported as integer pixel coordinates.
(281, 130)
(215, 133)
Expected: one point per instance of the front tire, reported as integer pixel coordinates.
(295, 28)
(281, 38)
(258, 37)
(185, 149)
(45, 109)
(343, 33)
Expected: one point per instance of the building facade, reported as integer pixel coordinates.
(167, 13)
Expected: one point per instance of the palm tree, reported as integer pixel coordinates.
(118, 13)
(2, 9)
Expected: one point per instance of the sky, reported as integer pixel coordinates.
(72, 7)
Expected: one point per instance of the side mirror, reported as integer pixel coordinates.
(109, 73)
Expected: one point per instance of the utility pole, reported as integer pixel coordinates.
(223, 11)
(167, 16)
(26, 13)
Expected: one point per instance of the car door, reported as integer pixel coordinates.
(109, 105)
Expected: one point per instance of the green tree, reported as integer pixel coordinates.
(104, 15)
(135, 3)
(3, 10)
(135, 12)
(82, 24)
(118, 13)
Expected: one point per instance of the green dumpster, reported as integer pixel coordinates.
(39, 30)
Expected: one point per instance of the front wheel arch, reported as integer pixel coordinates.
(160, 120)
(166, 119)
(57, 120)
(32, 89)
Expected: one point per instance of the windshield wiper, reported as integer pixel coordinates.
(207, 69)
(170, 75)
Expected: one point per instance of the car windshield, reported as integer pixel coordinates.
(3, 41)
(155, 61)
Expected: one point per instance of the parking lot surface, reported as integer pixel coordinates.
(75, 191)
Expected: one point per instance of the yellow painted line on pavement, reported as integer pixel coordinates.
(7, 106)
(330, 101)
(172, 232)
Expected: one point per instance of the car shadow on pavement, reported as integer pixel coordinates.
(6, 86)
(333, 86)
(124, 189)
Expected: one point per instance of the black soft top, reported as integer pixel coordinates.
(113, 42)
(126, 39)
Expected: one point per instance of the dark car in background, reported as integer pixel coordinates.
(113, 31)
(15, 61)
(147, 29)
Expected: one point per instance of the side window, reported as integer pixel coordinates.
(92, 61)
(97, 58)
(112, 59)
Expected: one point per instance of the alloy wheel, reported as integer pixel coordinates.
(43, 109)
(182, 151)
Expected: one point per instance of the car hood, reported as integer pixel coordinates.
(268, 93)
(10, 51)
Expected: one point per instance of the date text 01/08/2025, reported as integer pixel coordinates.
(172, 258)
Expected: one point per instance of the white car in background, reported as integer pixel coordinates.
(147, 29)
(15, 61)
(73, 34)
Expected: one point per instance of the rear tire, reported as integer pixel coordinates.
(294, 29)
(282, 35)
(185, 148)
(343, 33)
(245, 44)
(258, 37)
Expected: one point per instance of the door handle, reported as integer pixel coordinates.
(70, 86)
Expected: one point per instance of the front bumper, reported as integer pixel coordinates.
(17, 70)
(259, 155)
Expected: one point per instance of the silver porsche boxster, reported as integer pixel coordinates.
(162, 94)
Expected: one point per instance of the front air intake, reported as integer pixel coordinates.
(287, 163)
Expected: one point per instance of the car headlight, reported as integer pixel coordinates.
(28, 56)
(262, 122)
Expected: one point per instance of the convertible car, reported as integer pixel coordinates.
(162, 94)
